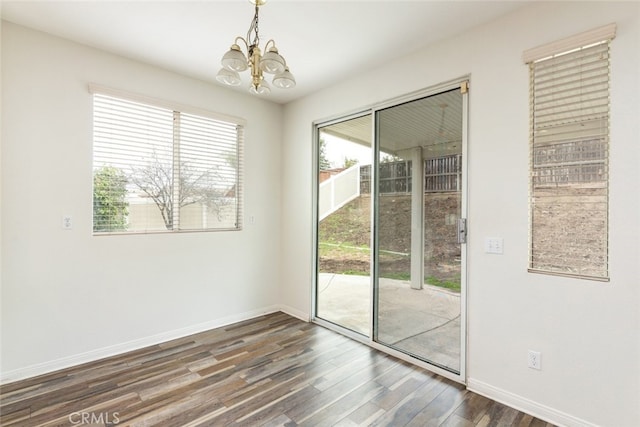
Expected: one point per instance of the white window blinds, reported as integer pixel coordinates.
(569, 162)
(161, 169)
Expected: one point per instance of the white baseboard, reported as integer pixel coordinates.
(525, 405)
(101, 353)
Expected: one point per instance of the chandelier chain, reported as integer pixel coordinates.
(255, 29)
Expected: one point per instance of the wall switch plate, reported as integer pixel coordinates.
(67, 222)
(493, 245)
(533, 360)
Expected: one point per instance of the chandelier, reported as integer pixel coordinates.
(236, 61)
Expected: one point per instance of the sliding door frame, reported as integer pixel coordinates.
(374, 274)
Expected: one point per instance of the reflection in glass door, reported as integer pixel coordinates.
(419, 204)
(343, 285)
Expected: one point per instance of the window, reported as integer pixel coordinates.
(163, 169)
(569, 156)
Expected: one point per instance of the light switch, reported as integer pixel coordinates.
(493, 245)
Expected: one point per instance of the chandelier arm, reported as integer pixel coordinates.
(246, 44)
(266, 46)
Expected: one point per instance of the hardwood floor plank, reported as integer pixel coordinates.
(499, 415)
(326, 397)
(342, 408)
(405, 410)
(473, 407)
(17, 417)
(397, 374)
(457, 421)
(279, 421)
(203, 402)
(392, 396)
(522, 420)
(269, 413)
(354, 365)
(273, 370)
(273, 391)
(170, 385)
(60, 414)
(178, 411)
(365, 414)
(437, 411)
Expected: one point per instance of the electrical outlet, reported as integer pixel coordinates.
(534, 361)
(67, 222)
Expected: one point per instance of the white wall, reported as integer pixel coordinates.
(68, 296)
(588, 332)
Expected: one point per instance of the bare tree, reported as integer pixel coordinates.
(195, 185)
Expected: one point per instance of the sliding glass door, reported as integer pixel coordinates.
(391, 229)
(419, 212)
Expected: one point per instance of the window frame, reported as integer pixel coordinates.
(177, 109)
(598, 38)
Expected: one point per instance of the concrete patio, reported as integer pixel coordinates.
(424, 323)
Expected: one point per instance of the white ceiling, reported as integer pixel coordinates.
(323, 41)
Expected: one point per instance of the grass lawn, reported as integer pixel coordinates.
(346, 258)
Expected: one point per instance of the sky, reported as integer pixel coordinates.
(337, 149)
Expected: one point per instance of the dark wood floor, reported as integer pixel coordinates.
(270, 371)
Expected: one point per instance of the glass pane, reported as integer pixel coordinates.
(132, 166)
(344, 228)
(419, 258)
(208, 173)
